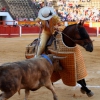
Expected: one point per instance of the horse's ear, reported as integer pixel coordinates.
(81, 22)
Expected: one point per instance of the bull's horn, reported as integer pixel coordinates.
(56, 57)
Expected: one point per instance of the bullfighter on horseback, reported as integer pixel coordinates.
(50, 21)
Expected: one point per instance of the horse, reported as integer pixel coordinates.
(71, 36)
(77, 34)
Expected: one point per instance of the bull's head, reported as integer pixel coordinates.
(55, 60)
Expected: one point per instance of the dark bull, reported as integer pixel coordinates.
(30, 74)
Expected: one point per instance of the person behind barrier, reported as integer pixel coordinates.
(49, 21)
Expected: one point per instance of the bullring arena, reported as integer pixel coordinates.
(13, 49)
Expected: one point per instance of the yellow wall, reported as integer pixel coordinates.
(26, 22)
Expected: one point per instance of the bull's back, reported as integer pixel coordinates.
(24, 73)
(37, 72)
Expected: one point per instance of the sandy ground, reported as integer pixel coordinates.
(13, 49)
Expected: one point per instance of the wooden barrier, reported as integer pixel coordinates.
(92, 31)
(97, 25)
(9, 31)
(92, 28)
(32, 30)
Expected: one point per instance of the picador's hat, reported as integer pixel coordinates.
(46, 13)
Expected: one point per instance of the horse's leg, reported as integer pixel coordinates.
(84, 88)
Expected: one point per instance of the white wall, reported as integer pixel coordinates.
(6, 17)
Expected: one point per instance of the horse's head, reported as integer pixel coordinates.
(82, 38)
(76, 34)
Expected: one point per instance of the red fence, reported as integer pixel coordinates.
(12, 31)
(26, 30)
(9, 31)
(92, 31)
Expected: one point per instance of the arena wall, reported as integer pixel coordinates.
(93, 29)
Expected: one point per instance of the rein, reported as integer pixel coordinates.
(77, 30)
(70, 37)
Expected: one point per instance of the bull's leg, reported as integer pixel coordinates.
(27, 92)
(84, 89)
(6, 95)
(2, 96)
(50, 87)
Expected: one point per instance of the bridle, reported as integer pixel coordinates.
(70, 37)
(76, 29)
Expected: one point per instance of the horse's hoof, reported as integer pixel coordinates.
(90, 94)
(82, 91)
